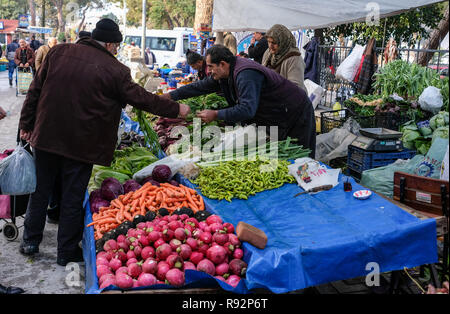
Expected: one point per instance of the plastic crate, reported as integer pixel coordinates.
(2, 67)
(336, 119)
(360, 160)
(391, 121)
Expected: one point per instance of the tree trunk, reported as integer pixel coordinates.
(435, 39)
(32, 6)
(203, 14)
(61, 22)
(80, 26)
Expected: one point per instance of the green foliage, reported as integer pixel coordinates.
(161, 14)
(401, 27)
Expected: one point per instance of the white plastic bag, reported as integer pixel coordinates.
(349, 67)
(431, 100)
(320, 175)
(172, 162)
(18, 173)
(315, 92)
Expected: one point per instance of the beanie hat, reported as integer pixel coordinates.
(107, 31)
(84, 34)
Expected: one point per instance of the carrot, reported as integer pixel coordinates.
(127, 215)
(134, 205)
(202, 203)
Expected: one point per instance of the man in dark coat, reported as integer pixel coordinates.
(70, 117)
(256, 95)
(258, 47)
(34, 44)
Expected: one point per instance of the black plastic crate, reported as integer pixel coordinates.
(330, 120)
(391, 121)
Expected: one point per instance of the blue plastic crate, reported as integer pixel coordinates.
(360, 160)
(2, 67)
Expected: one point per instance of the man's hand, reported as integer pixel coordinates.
(185, 110)
(208, 116)
(2, 113)
(21, 65)
(26, 135)
(27, 65)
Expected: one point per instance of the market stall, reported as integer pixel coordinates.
(312, 239)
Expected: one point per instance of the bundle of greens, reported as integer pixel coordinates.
(211, 102)
(125, 164)
(408, 80)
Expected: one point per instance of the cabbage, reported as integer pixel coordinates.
(131, 186)
(150, 179)
(439, 120)
(440, 132)
(424, 128)
(409, 138)
(161, 173)
(111, 189)
(423, 146)
(98, 203)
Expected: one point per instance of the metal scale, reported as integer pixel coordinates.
(379, 140)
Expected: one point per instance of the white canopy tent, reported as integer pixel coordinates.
(260, 15)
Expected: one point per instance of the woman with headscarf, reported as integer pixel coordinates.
(283, 55)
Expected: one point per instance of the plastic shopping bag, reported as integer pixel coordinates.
(349, 67)
(18, 173)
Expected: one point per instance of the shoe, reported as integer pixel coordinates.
(11, 290)
(75, 258)
(28, 249)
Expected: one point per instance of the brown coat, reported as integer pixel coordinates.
(30, 56)
(41, 53)
(75, 102)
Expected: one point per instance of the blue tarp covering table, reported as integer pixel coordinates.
(330, 236)
(312, 239)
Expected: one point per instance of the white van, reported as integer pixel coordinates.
(167, 45)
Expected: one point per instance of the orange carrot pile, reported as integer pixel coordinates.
(147, 198)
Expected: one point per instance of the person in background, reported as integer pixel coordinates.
(183, 65)
(10, 55)
(68, 136)
(198, 63)
(230, 42)
(243, 54)
(1, 51)
(84, 34)
(256, 95)
(34, 44)
(42, 52)
(258, 46)
(150, 58)
(24, 57)
(283, 55)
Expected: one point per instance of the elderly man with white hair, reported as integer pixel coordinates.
(42, 52)
(24, 57)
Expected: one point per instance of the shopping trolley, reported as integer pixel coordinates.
(24, 77)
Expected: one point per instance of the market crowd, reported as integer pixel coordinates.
(86, 80)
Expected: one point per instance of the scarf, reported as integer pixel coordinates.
(287, 46)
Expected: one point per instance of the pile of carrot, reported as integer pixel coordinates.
(147, 198)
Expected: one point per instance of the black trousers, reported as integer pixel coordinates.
(74, 179)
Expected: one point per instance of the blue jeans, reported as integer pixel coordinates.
(11, 68)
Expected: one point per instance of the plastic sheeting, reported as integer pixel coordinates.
(312, 239)
(260, 15)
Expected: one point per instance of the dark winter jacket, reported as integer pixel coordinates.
(74, 104)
